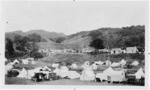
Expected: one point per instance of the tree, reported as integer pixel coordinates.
(34, 37)
(9, 50)
(20, 43)
(95, 34)
(97, 43)
(60, 39)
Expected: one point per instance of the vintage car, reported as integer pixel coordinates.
(53, 76)
(13, 73)
(39, 76)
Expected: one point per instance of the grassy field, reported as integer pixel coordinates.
(80, 58)
(20, 81)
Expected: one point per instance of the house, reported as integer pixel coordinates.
(103, 50)
(131, 50)
(87, 50)
(116, 51)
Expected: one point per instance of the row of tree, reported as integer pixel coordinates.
(22, 45)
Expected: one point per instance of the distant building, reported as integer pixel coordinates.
(131, 50)
(103, 50)
(116, 51)
(87, 50)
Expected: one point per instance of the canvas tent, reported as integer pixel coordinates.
(63, 71)
(46, 68)
(108, 62)
(25, 61)
(101, 76)
(57, 71)
(99, 62)
(22, 74)
(87, 74)
(139, 74)
(32, 62)
(73, 75)
(55, 65)
(30, 59)
(74, 66)
(94, 66)
(114, 64)
(7, 68)
(114, 75)
(86, 64)
(30, 73)
(5, 59)
(135, 63)
(15, 61)
(123, 62)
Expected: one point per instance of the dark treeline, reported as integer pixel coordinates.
(22, 45)
(118, 37)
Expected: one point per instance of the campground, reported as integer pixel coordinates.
(79, 59)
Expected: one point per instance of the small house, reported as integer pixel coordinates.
(131, 50)
(116, 51)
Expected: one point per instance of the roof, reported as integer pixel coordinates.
(131, 48)
(116, 49)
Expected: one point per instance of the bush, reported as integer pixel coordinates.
(36, 55)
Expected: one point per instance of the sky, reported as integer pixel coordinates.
(71, 17)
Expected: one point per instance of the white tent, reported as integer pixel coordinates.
(108, 62)
(32, 62)
(135, 63)
(16, 61)
(139, 74)
(114, 64)
(109, 71)
(94, 66)
(123, 62)
(99, 62)
(46, 68)
(86, 64)
(87, 74)
(57, 71)
(30, 74)
(5, 59)
(23, 74)
(101, 76)
(55, 65)
(25, 61)
(118, 76)
(30, 59)
(73, 75)
(74, 66)
(114, 75)
(7, 68)
(64, 71)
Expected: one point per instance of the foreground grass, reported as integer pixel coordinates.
(20, 81)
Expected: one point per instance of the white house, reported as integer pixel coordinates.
(131, 50)
(116, 51)
(87, 50)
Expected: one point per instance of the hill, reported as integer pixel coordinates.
(44, 34)
(111, 37)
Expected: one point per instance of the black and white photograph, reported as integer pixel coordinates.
(77, 43)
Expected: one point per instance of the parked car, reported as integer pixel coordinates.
(13, 73)
(53, 76)
(39, 76)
